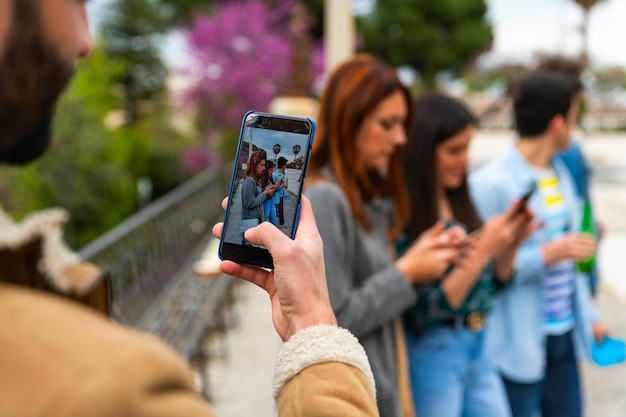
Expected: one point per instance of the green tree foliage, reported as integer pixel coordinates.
(179, 12)
(429, 36)
(502, 77)
(609, 80)
(131, 31)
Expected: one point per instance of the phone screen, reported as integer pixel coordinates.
(267, 182)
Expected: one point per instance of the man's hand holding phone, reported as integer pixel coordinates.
(297, 284)
(247, 208)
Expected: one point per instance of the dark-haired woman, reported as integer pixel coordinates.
(450, 372)
(269, 209)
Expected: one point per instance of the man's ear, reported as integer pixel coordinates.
(556, 125)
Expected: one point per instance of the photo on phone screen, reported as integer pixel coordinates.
(267, 182)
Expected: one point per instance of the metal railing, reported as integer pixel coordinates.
(147, 249)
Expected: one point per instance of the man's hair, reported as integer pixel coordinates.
(282, 161)
(539, 97)
(566, 66)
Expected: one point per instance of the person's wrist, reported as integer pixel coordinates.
(404, 267)
(324, 316)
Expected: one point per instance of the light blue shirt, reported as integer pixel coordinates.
(280, 192)
(516, 336)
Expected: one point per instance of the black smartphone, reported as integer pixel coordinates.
(266, 184)
(526, 197)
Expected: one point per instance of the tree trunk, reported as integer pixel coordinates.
(584, 32)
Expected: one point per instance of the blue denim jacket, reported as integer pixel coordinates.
(515, 337)
(574, 160)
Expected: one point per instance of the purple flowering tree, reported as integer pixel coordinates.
(239, 60)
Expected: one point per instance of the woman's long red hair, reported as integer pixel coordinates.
(353, 91)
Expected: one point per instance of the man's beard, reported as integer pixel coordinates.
(32, 77)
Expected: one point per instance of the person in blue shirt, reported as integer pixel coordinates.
(573, 157)
(545, 320)
(279, 196)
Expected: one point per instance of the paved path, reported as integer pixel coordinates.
(242, 383)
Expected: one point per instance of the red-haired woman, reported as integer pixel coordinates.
(252, 194)
(359, 199)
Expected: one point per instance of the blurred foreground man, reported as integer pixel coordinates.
(58, 358)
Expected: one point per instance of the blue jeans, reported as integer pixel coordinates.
(452, 377)
(269, 209)
(558, 394)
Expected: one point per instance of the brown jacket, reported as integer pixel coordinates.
(58, 358)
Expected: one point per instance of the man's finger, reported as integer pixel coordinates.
(252, 274)
(268, 235)
(224, 203)
(217, 229)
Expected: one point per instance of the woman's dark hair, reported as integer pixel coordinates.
(267, 178)
(354, 90)
(253, 163)
(437, 117)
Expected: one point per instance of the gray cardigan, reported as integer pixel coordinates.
(252, 199)
(366, 289)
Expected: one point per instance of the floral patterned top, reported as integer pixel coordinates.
(432, 307)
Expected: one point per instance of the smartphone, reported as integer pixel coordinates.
(524, 200)
(287, 142)
(526, 197)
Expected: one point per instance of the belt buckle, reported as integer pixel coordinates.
(475, 321)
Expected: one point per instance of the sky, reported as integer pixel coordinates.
(521, 28)
(265, 139)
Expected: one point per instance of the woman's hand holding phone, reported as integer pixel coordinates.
(502, 235)
(507, 230)
(432, 253)
(270, 190)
